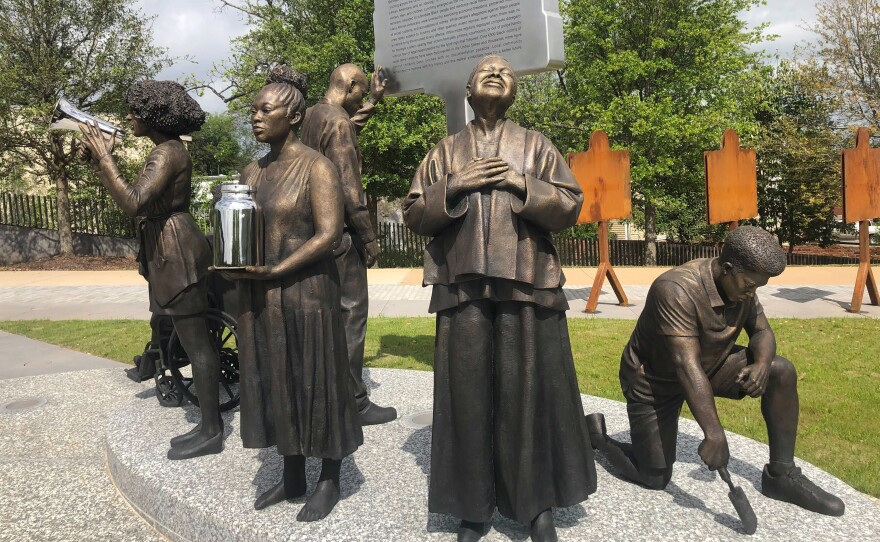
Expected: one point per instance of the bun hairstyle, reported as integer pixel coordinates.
(291, 87)
(282, 73)
(165, 106)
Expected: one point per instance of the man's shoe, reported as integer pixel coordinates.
(373, 414)
(596, 428)
(795, 488)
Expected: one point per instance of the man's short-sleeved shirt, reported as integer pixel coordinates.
(682, 302)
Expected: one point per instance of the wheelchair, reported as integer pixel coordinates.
(165, 361)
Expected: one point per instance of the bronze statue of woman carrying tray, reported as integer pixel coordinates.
(295, 383)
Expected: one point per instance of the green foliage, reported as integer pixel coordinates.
(798, 158)
(88, 51)
(315, 36)
(580, 231)
(223, 146)
(848, 44)
(663, 79)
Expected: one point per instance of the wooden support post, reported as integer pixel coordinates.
(865, 276)
(605, 270)
(732, 225)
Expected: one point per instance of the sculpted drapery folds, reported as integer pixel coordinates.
(508, 429)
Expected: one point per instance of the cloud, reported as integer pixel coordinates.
(198, 34)
(788, 19)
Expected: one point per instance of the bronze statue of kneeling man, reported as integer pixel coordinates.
(684, 349)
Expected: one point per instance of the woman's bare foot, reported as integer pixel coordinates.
(321, 503)
(470, 531)
(291, 486)
(543, 527)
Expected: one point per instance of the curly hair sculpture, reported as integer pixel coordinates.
(165, 106)
(754, 249)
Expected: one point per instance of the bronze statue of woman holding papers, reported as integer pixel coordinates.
(174, 254)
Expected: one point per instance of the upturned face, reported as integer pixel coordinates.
(269, 120)
(739, 285)
(494, 79)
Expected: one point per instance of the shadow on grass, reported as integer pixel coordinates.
(398, 349)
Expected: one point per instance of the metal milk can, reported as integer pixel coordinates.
(238, 228)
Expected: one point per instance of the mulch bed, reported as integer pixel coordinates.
(845, 251)
(75, 263)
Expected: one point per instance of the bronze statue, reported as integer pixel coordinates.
(684, 349)
(507, 428)
(331, 127)
(174, 255)
(295, 384)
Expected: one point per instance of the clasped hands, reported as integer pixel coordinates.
(481, 173)
(753, 378)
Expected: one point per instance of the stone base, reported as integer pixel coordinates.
(385, 485)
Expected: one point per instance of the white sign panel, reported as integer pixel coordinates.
(431, 45)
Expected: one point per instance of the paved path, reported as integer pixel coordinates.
(20, 356)
(798, 293)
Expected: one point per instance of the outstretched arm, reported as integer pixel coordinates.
(368, 109)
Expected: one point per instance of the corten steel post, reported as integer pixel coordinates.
(603, 175)
(731, 183)
(861, 203)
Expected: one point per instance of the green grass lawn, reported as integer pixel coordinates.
(838, 362)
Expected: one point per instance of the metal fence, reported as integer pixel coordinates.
(400, 247)
(98, 216)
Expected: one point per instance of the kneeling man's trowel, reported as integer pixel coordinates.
(741, 503)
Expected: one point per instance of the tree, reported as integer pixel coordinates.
(663, 79)
(88, 51)
(798, 158)
(222, 147)
(315, 36)
(848, 43)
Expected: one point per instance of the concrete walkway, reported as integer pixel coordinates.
(20, 356)
(800, 292)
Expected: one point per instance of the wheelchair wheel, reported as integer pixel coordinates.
(167, 392)
(224, 334)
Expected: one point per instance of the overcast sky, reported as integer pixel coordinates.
(200, 31)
